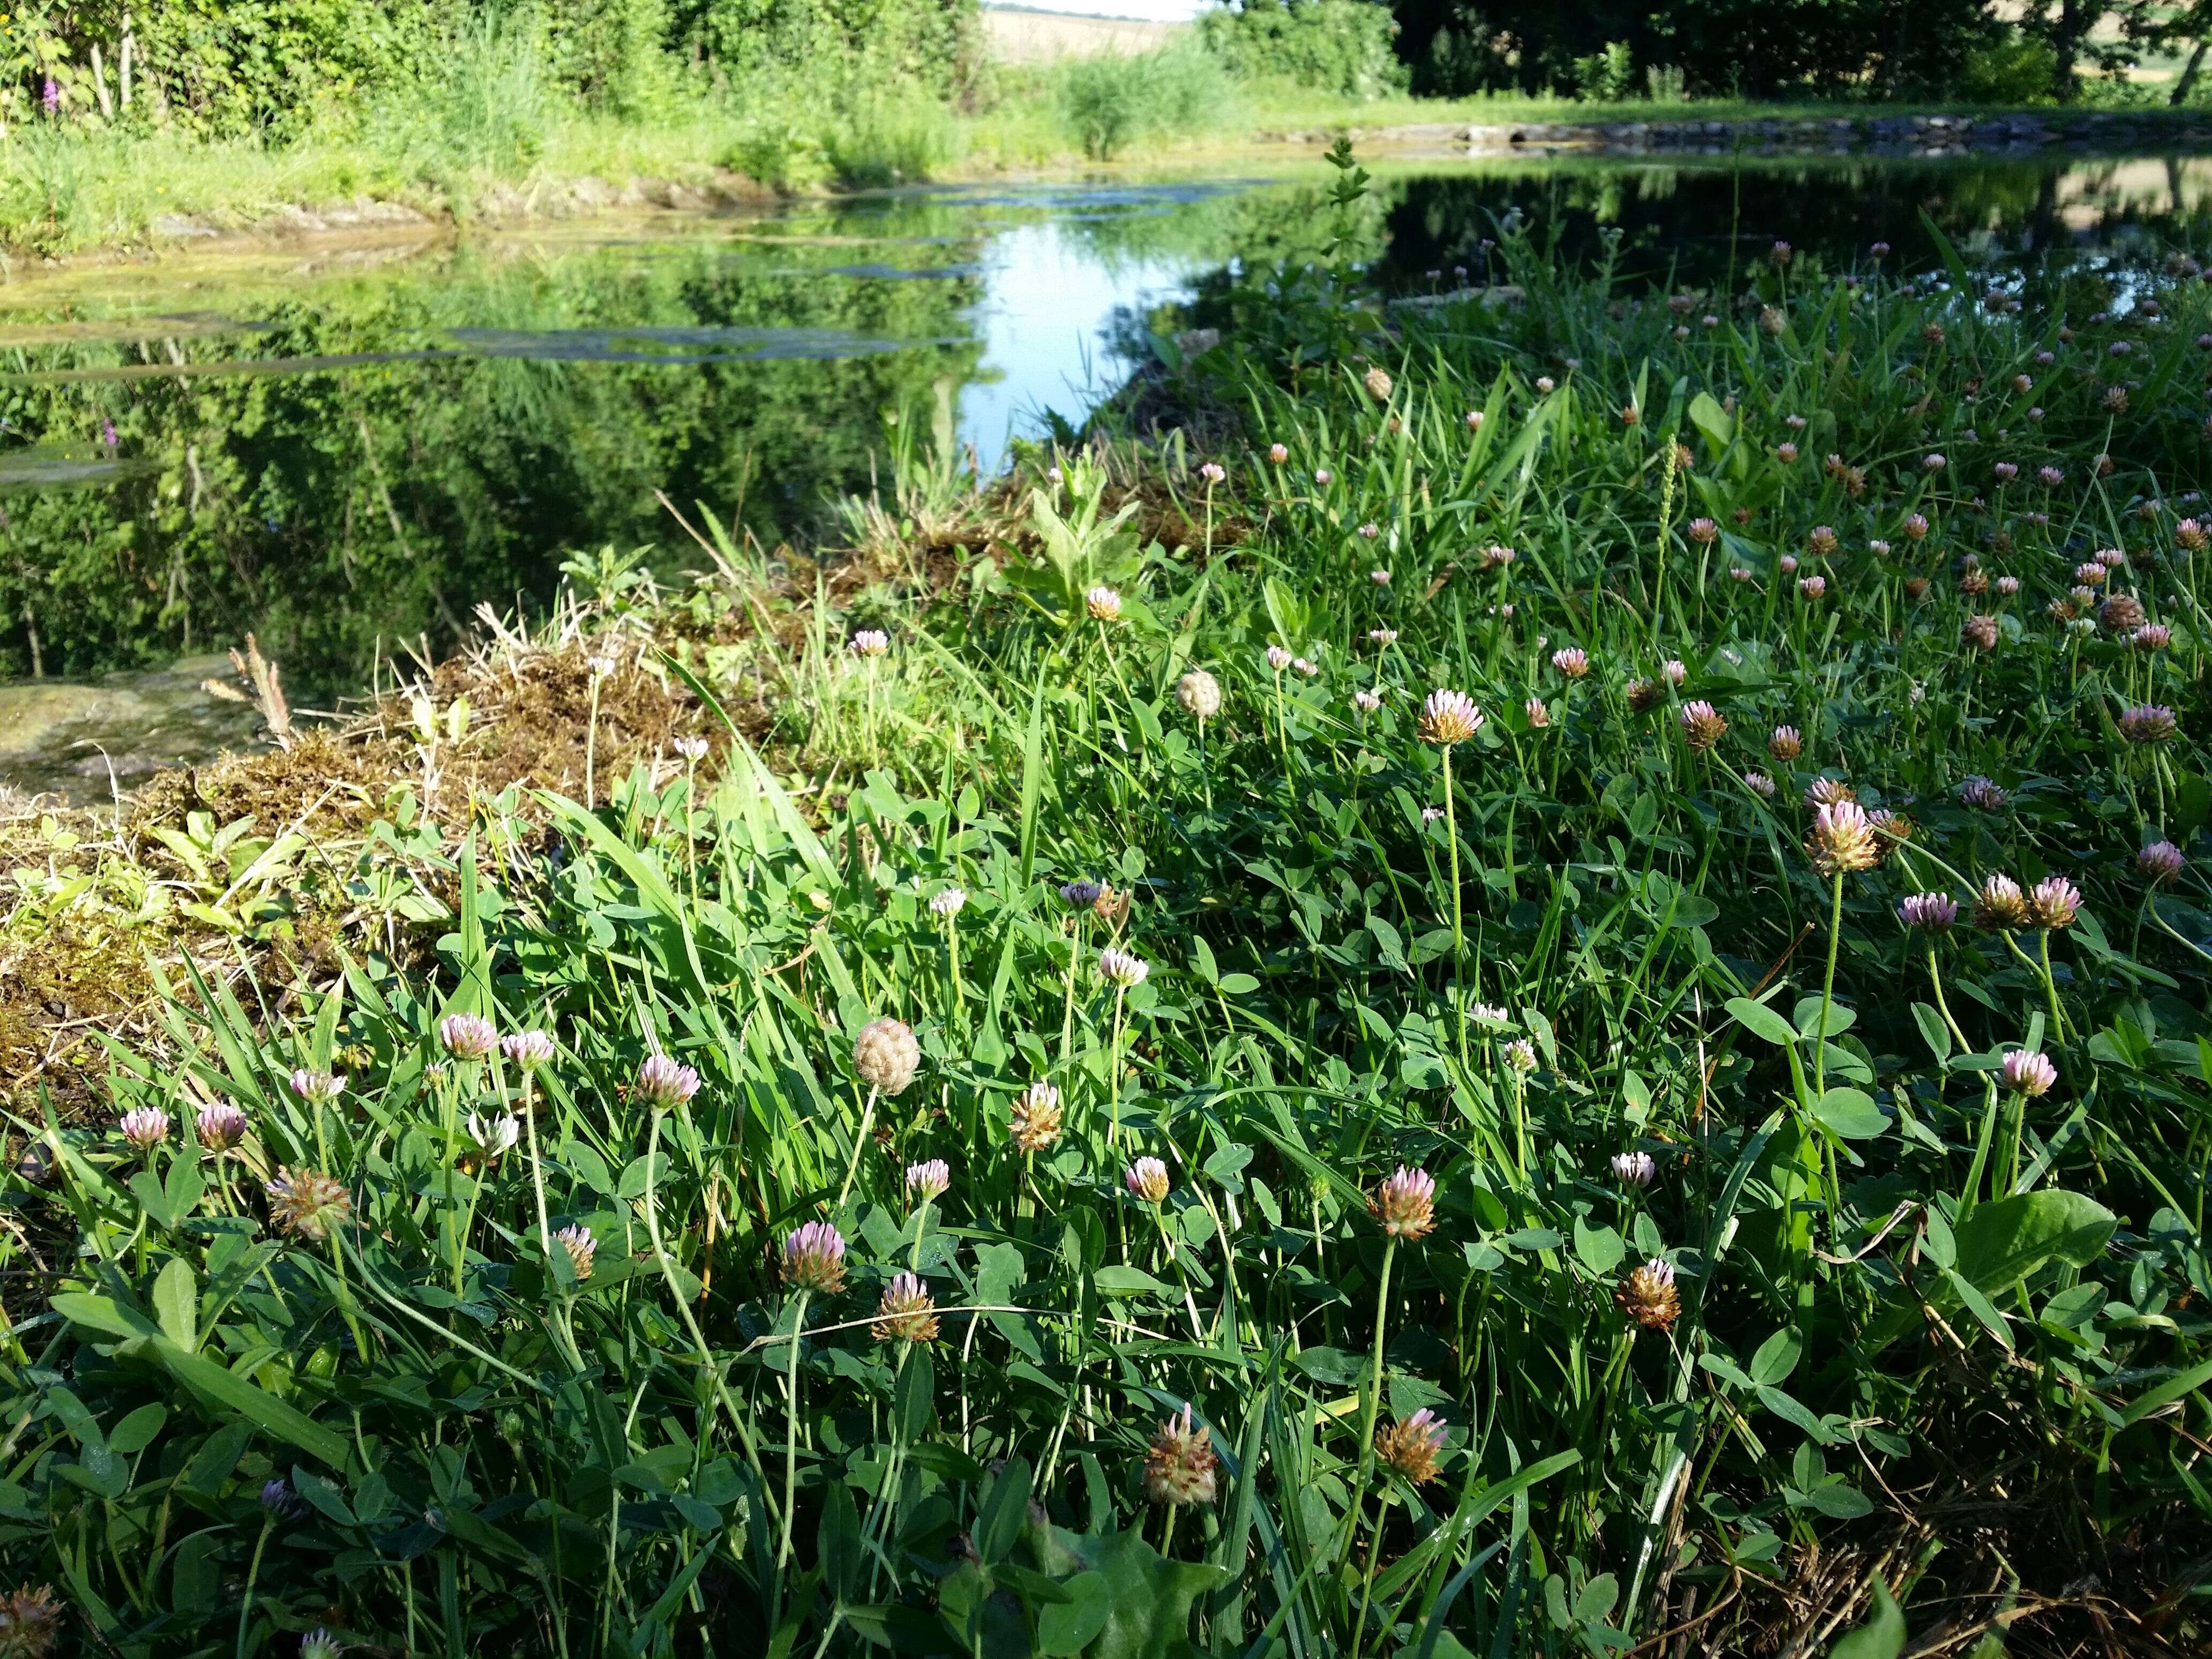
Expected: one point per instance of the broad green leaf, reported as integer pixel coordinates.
(1128, 1281)
(1600, 1248)
(1066, 1628)
(1761, 1021)
(1849, 1114)
(1933, 1031)
(2012, 1238)
(177, 1304)
(1777, 1356)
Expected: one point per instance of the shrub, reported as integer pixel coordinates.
(2014, 69)
(1107, 103)
(1346, 47)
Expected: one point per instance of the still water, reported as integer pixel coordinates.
(351, 449)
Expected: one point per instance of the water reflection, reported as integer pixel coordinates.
(355, 449)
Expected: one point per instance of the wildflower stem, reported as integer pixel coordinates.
(791, 1428)
(1828, 991)
(1459, 939)
(253, 1574)
(1113, 1072)
(1374, 1393)
(860, 1147)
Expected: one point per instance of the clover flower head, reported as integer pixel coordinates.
(1842, 840)
(1366, 702)
(2161, 861)
(467, 1037)
(2148, 723)
(308, 1202)
(581, 1247)
(1637, 1169)
(1702, 725)
(145, 1126)
(1279, 454)
(1538, 716)
(2053, 903)
(2000, 906)
(1785, 743)
(1648, 1295)
(929, 1179)
(948, 904)
(2028, 1073)
(1760, 784)
(1278, 658)
(220, 1125)
(1984, 796)
(1147, 1179)
(1122, 969)
(907, 1312)
(1034, 1119)
(662, 1082)
(317, 1088)
(528, 1050)
(1571, 660)
(1179, 1466)
(814, 1259)
(1200, 694)
(1404, 1203)
(885, 1054)
(496, 1134)
(1103, 603)
(1933, 913)
(1080, 894)
(870, 642)
(1448, 717)
(1520, 1055)
(1411, 1445)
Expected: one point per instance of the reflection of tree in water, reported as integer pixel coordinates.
(338, 513)
(1682, 218)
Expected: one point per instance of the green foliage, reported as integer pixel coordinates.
(2012, 69)
(931, 44)
(1108, 103)
(1343, 46)
(1743, 1248)
(1607, 77)
(1733, 48)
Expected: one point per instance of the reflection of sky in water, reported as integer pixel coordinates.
(1047, 300)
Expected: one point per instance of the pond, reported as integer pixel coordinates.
(347, 451)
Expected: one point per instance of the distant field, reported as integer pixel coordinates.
(1040, 37)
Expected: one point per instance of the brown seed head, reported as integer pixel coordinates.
(1648, 1295)
(1179, 1467)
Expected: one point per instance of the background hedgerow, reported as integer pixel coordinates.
(1572, 1015)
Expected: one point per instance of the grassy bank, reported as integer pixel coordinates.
(1538, 988)
(497, 142)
